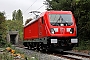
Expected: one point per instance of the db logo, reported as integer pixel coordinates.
(62, 30)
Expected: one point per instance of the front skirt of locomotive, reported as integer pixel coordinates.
(62, 44)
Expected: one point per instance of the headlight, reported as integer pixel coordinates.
(71, 30)
(68, 29)
(56, 29)
(52, 31)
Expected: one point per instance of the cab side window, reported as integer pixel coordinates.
(42, 20)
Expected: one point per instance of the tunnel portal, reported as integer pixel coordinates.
(12, 37)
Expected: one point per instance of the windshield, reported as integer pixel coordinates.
(60, 19)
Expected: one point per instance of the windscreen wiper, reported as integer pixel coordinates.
(60, 19)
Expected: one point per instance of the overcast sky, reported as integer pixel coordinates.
(25, 5)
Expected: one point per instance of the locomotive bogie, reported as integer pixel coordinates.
(53, 43)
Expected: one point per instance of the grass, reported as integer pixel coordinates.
(6, 56)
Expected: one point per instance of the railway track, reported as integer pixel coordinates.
(78, 54)
(73, 55)
(66, 55)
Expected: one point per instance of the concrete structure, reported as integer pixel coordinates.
(12, 37)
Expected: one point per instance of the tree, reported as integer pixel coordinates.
(17, 15)
(61, 4)
(14, 15)
(28, 20)
(16, 24)
(2, 29)
(2, 23)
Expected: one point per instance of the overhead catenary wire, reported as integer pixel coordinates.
(29, 15)
(37, 9)
(30, 6)
(40, 7)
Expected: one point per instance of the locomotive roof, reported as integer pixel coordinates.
(42, 14)
(49, 12)
(59, 12)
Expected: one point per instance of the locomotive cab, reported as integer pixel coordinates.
(63, 30)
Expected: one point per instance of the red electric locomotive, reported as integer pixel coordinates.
(51, 30)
